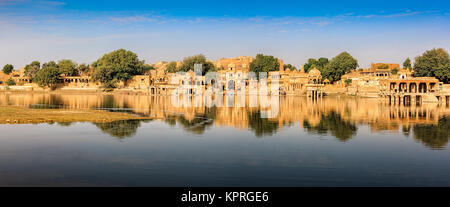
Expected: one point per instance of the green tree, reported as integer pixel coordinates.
(67, 67)
(383, 66)
(290, 67)
(10, 82)
(83, 69)
(264, 63)
(189, 62)
(172, 67)
(146, 68)
(407, 64)
(348, 82)
(32, 68)
(119, 65)
(338, 66)
(433, 63)
(310, 64)
(394, 71)
(48, 75)
(322, 62)
(319, 64)
(8, 68)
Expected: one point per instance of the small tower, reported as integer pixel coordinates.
(302, 69)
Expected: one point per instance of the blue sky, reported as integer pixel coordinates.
(377, 31)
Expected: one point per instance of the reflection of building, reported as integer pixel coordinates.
(238, 110)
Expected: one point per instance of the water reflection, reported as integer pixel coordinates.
(261, 126)
(332, 123)
(339, 117)
(434, 136)
(121, 129)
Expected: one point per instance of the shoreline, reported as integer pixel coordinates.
(142, 92)
(24, 115)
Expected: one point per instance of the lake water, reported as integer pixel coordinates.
(238, 141)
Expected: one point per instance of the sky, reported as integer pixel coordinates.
(81, 30)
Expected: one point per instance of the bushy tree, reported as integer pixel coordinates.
(322, 62)
(172, 67)
(433, 63)
(119, 65)
(310, 64)
(383, 66)
(319, 64)
(338, 66)
(394, 71)
(8, 68)
(407, 64)
(48, 75)
(83, 69)
(289, 67)
(348, 82)
(264, 63)
(67, 67)
(10, 82)
(32, 68)
(189, 62)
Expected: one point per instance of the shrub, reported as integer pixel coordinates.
(348, 82)
(10, 82)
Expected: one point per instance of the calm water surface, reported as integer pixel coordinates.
(240, 141)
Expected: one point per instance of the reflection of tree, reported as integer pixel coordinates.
(406, 130)
(65, 124)
(332, 122)
(108, 101)
(198, 125)
(171, 120)
(433, 136)
(120, 129)
(53, 101)
(261, 126)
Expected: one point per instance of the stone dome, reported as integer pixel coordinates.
(314, 72)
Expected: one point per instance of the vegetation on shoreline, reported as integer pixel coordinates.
(20, 115)
(122, 65)
(433, 63)
(334, 69)
(119, 65)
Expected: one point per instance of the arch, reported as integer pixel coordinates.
(413, 88)
(422, 87)
(403, 87)
(231, 85)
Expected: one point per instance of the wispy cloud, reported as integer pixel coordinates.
(134, 19)
(403, 14)
(52, 3)
(38, 3)
(11, 2)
